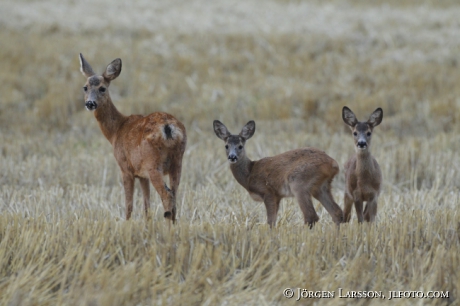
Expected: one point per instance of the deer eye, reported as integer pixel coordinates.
(240, 147)
(226, 146)
(102, 89)
(369, 133)
(355, 134)
(85, 88)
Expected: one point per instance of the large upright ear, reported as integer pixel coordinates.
(248, 130)
(85, 68)
(349, 117)
(221, 130)
(113, 70)
(376, 117)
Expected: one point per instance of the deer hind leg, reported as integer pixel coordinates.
(145, 186)
(324, 195)
(166, 195)
(272, 204)
(128, 184)
(347, 206)
(371, 210)
(174, 181)
(306, 205)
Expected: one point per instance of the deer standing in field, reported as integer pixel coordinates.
(363, 178)
(145, 147)
(301, 173)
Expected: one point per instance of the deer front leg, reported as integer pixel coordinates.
(272, 205)
(359, 209)
(166, 195)
(128, 184)
(347, 206)
(371, 210)
(146, 194)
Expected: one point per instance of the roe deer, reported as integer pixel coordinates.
(363, 178)
(301, 173)
(145, 147)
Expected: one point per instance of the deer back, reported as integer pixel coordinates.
(156, 140)
(307, 166)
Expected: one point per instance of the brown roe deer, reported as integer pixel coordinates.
(301, 173)
(363, 178)
(145, 147)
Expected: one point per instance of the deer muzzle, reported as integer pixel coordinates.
(91, 105)
(232, 158)
(361, 144)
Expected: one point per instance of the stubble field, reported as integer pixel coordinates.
(289, 65)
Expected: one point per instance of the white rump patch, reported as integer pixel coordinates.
(175, 132)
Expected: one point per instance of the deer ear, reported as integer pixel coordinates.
(376, 117)
(221, 130)
(349, 117)
(85, 68)
(248, 130)
(113, 70)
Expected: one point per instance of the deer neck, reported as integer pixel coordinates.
(241, 171)
(109, 119)
(364, 162)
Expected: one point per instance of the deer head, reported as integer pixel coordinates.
(362, 131)
(234, 144)
(96, 87)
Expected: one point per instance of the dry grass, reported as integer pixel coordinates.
(290, 66)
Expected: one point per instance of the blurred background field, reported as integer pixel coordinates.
(289, 65)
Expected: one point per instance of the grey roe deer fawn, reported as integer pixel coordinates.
(363, 178)
(145, 147)
(301, 173)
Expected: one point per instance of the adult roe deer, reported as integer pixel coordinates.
(145, 147)
(363, 178)
(301, 173)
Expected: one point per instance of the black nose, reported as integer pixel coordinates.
(232, 157)
(91, 105)
(362, 144)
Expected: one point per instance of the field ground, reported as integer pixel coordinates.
(289, 65)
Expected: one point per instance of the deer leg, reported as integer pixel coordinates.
(167, 198)
(371, 210)
(174, 180)
(128, 184)
(325, 197)
(306, 205)
(146, 193)
(359, 209)
(272, 206)
(347, 206)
